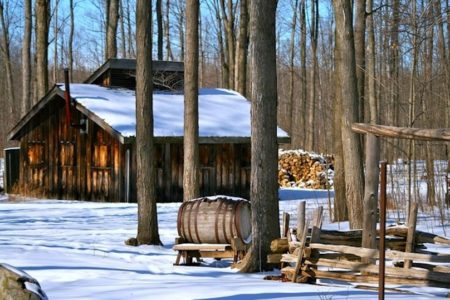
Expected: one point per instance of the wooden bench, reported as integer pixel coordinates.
(188, 251)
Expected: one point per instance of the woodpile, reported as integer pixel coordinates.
(338, 255)
(297, 168)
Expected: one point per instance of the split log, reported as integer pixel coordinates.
(279, 245)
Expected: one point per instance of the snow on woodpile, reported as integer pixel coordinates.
(222, 113)
(298, 168)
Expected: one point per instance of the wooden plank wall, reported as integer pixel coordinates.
(224, 169)
(57, 161)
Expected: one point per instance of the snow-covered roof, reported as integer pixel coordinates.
(222, 113)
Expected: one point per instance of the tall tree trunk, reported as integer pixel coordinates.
(42, 25)
(393, 66)
(222, 49)
(7, 61)
(340, 211)
(181, 10)
(291, 100)
(228, 25)
(169, 54)
(427, 105)
(372, 145)
(71, 34)
(298, 132)
(55, 42)
(360, 50)
(26, 59)
(263, 186)
(346, 70)
(123, 44)
(412, 100)
(242, 51)
(111, 29)
(159, 21)
(191, 189)
(147, 232)
(310, 138)
(131, 52)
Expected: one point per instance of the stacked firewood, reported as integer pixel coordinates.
(297, 168)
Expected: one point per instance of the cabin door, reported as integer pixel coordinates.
(67, 170)
(101, 172)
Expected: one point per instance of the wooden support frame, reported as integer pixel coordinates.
(187, 252)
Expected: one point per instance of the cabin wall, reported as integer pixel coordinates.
(224, 169)
(57, 161)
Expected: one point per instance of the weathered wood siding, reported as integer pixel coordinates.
(224, 169)
(58, 161)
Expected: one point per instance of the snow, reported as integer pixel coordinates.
(222, 113)
(76, 250)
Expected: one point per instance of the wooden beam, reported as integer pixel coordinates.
(440, 134)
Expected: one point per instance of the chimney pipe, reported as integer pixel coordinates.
(67, 96)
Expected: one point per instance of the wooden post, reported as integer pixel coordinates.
(382, 230)
(300, 219)
(301, 249)
(285, 230)
(317, 225)
(410, 238)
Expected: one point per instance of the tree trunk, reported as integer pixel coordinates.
(241, 65)
(123, 44)
(147, 232)
(222, 54)
(169, 54)
(372, 145)
(263, 186)
(42, 25)
(310, 138)
(291, 106)
(340, 204)
(71, 34)
(298, 132)
(111, 29)
(7, 62)
(159, 21)
(228, 25)
(191, 152)
(26, 59)
(360, 50)
(131, 52)
(55, 42)
(346, 70)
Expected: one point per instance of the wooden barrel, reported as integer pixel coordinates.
(214, 220)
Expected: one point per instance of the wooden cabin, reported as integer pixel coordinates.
(91, 154)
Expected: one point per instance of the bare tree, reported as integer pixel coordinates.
(147, 232)
(346, 70)
(310, 138)
(111, 28)
(191, 158)
(242, 50)
(42, 26)
(372, 144)
(298, 132)
(169, 54)
(291, 100)
(26, 59)
(360, 50)
(7, 59)
(228, 12)
(264, 149)
(55, 41)
(71, 34)
(159, 21)
(123, 43)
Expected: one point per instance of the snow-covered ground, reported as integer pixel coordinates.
(76, 251)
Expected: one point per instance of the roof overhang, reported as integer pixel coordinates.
(15, 133)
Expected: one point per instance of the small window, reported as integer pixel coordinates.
(102, 157)
(35, 154)
(67, 154)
